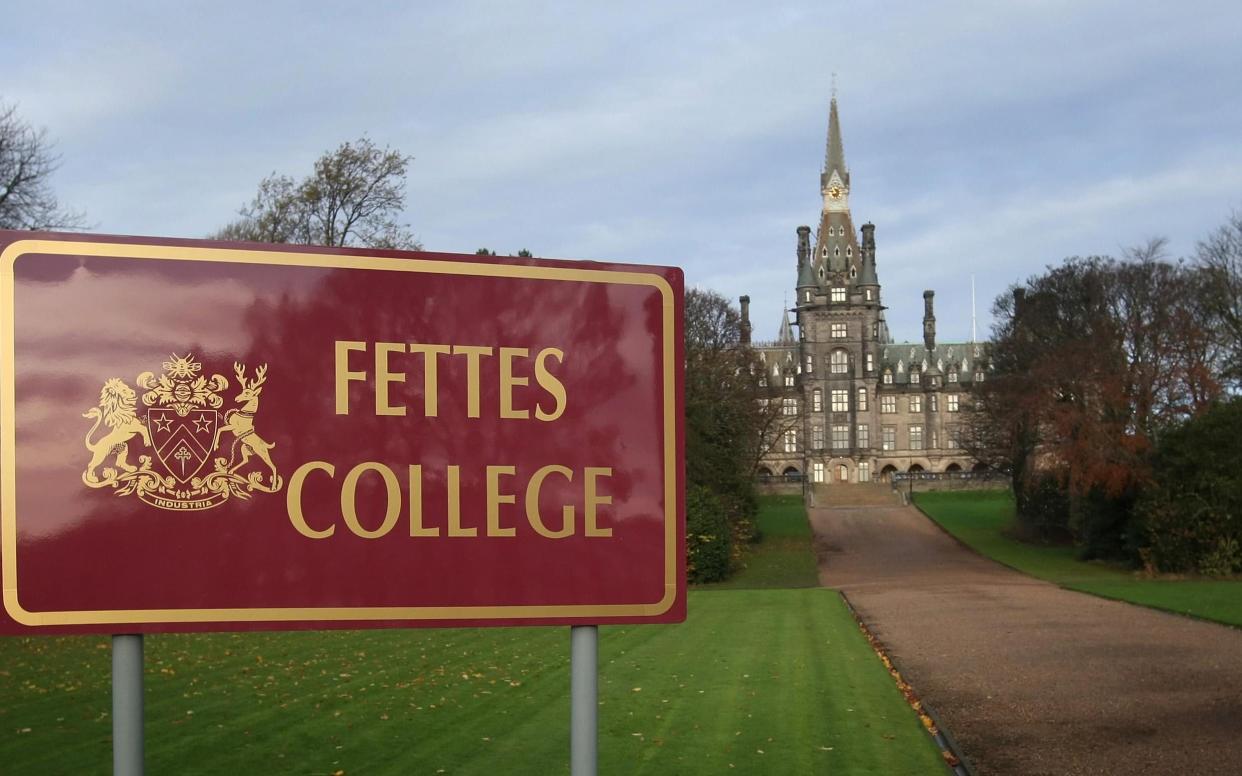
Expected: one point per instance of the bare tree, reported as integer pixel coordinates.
(354, 197)
(26, 166)
(1220, 257)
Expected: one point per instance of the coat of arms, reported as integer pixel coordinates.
(182, 432)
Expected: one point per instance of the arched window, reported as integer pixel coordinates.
(839, 362)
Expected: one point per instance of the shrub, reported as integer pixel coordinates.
(1043, 509)
(1191, 518)
(708, 537)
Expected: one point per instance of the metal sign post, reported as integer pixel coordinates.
(127, 742)
(584, 699)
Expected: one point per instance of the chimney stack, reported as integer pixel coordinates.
(929, 320)
(744, 328)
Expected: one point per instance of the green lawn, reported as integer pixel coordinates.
(980, 518)
(783, 556)
(772, 681)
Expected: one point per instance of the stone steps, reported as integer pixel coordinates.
(855, 495)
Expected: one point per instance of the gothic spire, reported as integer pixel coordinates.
(834, 154)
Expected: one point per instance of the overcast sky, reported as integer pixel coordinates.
(984, 139)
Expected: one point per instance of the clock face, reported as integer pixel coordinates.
(835, 192)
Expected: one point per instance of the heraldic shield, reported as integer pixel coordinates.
(183, 444)
(180, 464)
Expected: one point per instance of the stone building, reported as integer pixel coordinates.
(854, 406)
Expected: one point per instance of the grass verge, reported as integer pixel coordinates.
(755, 681)
(980, 518)
(783, 556)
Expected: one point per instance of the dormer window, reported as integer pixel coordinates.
(838, 293)
(853, 270)
(952, 377)
(837, 251)
(825, 251)
(915, 375)
(888, 377)
(849, 250)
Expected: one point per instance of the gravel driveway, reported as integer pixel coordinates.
(1029, 678)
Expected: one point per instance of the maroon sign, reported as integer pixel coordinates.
(211, 436)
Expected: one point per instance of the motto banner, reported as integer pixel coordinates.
(214, 436)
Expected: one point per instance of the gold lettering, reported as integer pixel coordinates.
(532, 504)
(495, 498)
(549, 383)
(383, 377)
(293, 499)
(416, 504)
(431, 396)
(593, 500)
(454, 504)
(344, 375)
(349, 508)
(508, 382)
(473, 354)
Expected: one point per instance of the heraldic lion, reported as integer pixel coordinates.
(116, 409)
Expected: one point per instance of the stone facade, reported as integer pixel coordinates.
(853, 405)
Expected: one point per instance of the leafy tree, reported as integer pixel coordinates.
(26, 166)
(725, 415)
(484, 252)
(354, 197)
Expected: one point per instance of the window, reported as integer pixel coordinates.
(817, 471)
(864, 435)
(817, 400)
(824, 252)
(839, 362)
(870, 362)
(933, 402)
(838, 293)
(817, 437)
(806, 296)
(935, 439)
(951, 434)
(916, 403)
(888, 405)
(978, 377)
(864, 472)
(836, 251)
(888, 437)
(789, 381)
(840, 437)
(952, 376)
(849, 251)
(763, 382)
(916, 375)
(916, 437)
(810, 363)
(888, 377)
(875, 330)
(868, 297)
(838, 331)
(789, 406)
(952, 402)
(791, 440)
(840, 400)
(862, 399)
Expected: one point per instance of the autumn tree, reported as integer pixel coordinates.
(354, 197)
(1093, 359)
(26, 166)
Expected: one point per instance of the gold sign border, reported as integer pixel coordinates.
(8, 438)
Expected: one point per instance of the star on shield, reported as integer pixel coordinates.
(183, 444)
